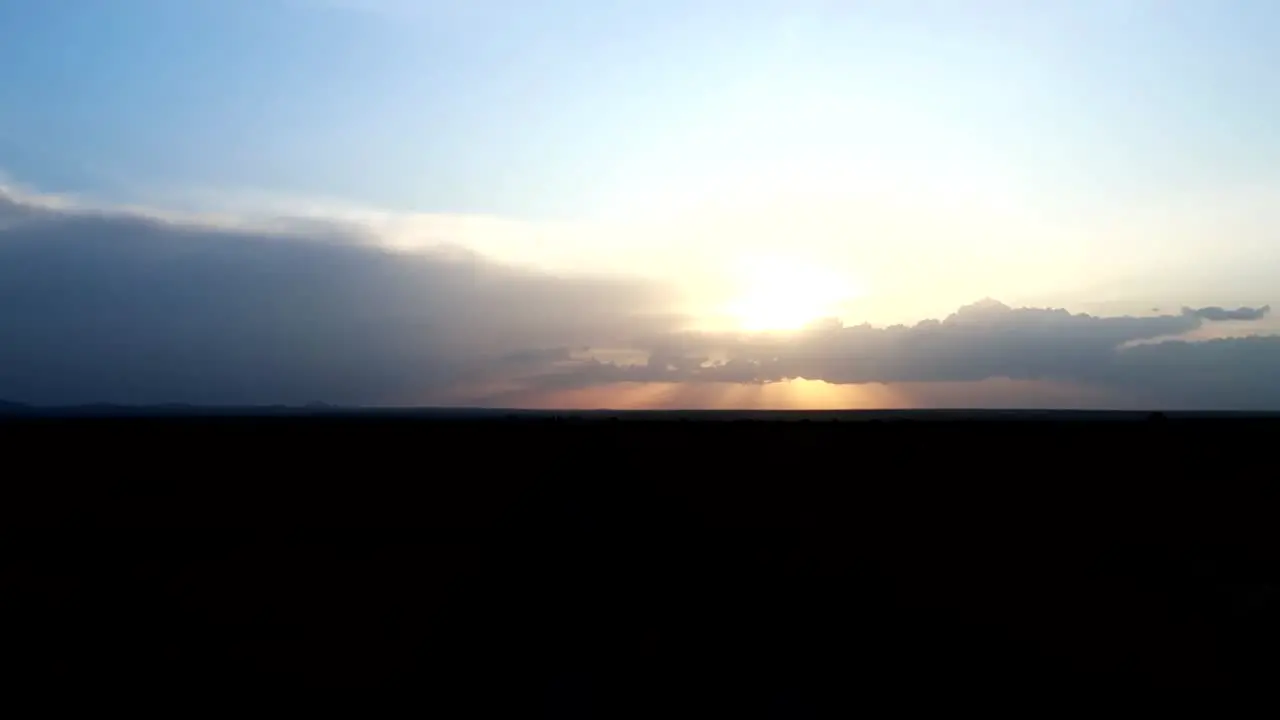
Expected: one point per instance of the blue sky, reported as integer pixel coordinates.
(769, 161)
(536, 109)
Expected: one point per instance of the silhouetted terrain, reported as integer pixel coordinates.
(641, 568)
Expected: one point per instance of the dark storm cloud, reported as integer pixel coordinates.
(124, 307)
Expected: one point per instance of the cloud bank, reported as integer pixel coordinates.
(132, 307)
(126, 307)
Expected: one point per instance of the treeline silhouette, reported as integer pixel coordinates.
(768, 569)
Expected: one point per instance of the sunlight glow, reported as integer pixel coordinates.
(785, 293)
(794, 394)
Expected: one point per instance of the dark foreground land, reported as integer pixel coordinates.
(604, 568)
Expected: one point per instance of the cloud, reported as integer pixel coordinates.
(139, 307)
(1217, 314)
(980, 342)
(120, 306)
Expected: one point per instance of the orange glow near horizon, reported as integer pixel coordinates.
(803, 394)
(798, 394)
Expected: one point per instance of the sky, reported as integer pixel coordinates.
(642, 203)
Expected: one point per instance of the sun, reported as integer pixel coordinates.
(777, 293)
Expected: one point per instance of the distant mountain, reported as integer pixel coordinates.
(14, 408)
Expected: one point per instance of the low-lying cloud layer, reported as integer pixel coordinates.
(130, 307)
